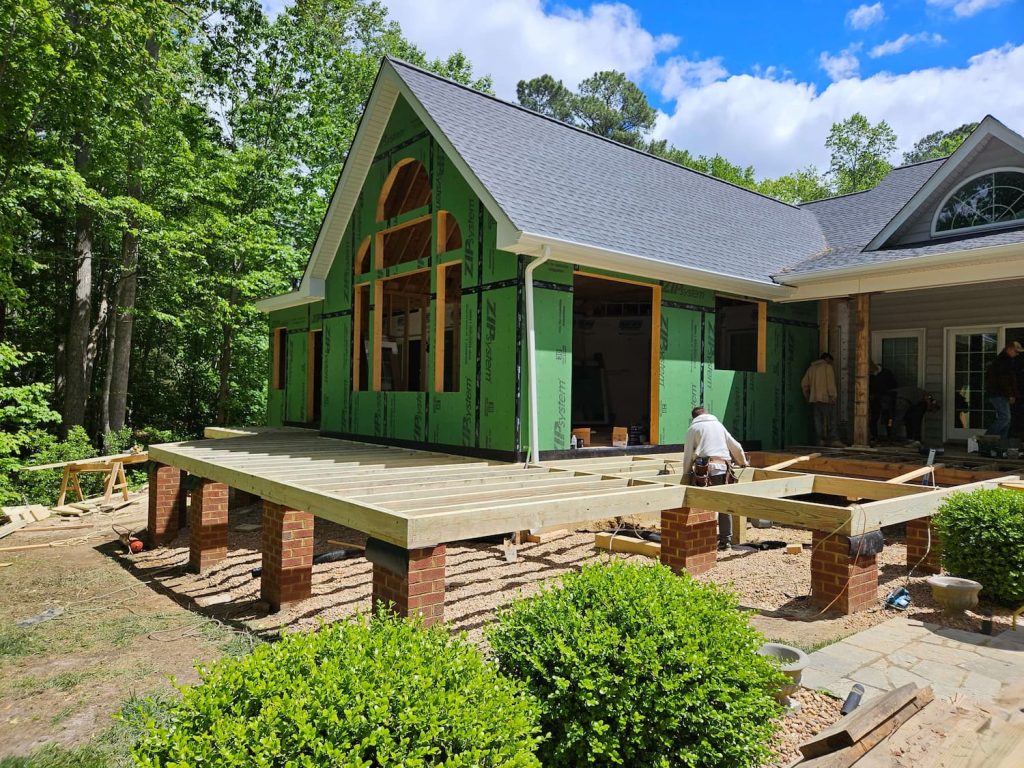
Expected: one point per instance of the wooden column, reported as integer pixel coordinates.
(823, 324)
(862, 353)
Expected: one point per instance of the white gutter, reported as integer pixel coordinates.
(531, 352)
(643, 266)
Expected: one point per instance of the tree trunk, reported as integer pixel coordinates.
(76, 384)
(224, 364)
(119, 361)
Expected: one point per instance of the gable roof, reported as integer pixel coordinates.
(570, 185)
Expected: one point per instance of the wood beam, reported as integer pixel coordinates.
(862, 354)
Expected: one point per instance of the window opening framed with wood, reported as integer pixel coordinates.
(408, 242)
(448, 347)
(361, 339)
(280, 358)
(403, 330)
(741, 335)
(406, 188)
(363, 257)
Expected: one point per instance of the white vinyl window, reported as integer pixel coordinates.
(994, 198)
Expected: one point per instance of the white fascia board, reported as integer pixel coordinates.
(309, 291)
(978, 265)
(642, 266)
(987, 128)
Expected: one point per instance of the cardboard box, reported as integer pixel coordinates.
(583, 435)
(620, 437)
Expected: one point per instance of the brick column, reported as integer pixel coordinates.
(840, 581)
(410, 586)
(689, 539)
(240, 499)
(166, 503)
(926, 559)
(287, 555)
(208, 526)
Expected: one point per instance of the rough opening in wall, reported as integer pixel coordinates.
(314, 376)
(614, 353)
(448, 337)
(406, 188)
(361, 336)
(405, 243)
(404, 313)
(740, 334)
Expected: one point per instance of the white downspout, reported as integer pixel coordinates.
(531, 353)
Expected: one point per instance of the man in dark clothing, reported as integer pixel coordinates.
(910, 404)
(880, 387)
(1001, 385)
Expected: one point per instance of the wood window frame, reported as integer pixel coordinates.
(378, 327)
(653, 430)
(440, 318)
(362, 294)
(389, 183)
(379, 256)
(279, 372)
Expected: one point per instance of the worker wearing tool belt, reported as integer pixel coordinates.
(709, 453)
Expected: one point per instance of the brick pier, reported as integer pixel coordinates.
(689, 539)
(410, 581)
(841, 581)
(287, 555)
(927, 559)
(208, 526)
(166, 503)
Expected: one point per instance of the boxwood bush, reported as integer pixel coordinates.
(982, 535)
(635, 666)
(380, 692)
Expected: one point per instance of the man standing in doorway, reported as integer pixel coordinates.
(819, 386)
(1001, 385)
(709, 449)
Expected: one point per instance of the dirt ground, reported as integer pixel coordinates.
(131, 622)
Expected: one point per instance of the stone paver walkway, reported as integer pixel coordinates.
(902, 650)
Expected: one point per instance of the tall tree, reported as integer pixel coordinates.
(548, 96)
(860, 153)
(939, 144)
(800, 186)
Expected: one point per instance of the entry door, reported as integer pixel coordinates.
(969, 352)
(902, 352)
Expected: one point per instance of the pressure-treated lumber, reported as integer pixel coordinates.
(915, 473)
(860, 722)
(862, 352)
(795, 460)
(609, 542)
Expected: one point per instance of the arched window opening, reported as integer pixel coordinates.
(449, 235)
(406, 188)
(993, 198)
(363, 257)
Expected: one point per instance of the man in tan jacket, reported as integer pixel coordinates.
(819, 386)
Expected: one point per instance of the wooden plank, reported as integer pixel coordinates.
(862, 353)
(221, 433)
(802, 514)
(608, 542)
(915, 473)
(926, 504)
(552, 492)
(856, 488)
(859, 723)
(790, 462)
(846, 757)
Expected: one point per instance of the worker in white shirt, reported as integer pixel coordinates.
(708, 452)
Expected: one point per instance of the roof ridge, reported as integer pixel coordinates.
(584, 131)
(872, 189)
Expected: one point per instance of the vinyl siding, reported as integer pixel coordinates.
(941, 308)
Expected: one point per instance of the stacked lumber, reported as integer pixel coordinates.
(857, 734)
(15, 518)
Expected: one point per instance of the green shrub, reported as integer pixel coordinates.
(381, 692)
(982, 535)
(635, 666)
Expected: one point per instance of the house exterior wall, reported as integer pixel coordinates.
(936, 309)
(488, 415)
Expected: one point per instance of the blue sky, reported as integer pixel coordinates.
(759, 82)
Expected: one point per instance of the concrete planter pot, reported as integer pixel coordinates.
(791, 661)
(953, 594)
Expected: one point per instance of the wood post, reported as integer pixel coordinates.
(823, 324)
(862, 354)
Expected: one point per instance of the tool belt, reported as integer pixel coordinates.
(700, 472)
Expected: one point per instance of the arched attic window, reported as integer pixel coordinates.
(993, 198)
(405, 189)
(363, 257)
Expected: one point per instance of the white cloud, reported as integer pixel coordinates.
(516, 40)
(843, 65)
(967, 8)
(864, 16)
(891, 47)
(778, 125)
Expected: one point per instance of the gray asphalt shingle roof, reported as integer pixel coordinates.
(558, 181)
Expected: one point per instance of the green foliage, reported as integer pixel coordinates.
(24, 407)
(939, 144)
(982, 536)
(378, 692)
(800, 186)
(607, 103)
(634, 666)
(860, 153)
(41, 487)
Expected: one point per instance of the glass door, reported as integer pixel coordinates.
(969, 352)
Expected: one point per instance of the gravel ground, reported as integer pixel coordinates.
(817, 712)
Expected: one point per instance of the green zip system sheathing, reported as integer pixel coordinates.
(488, 412)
